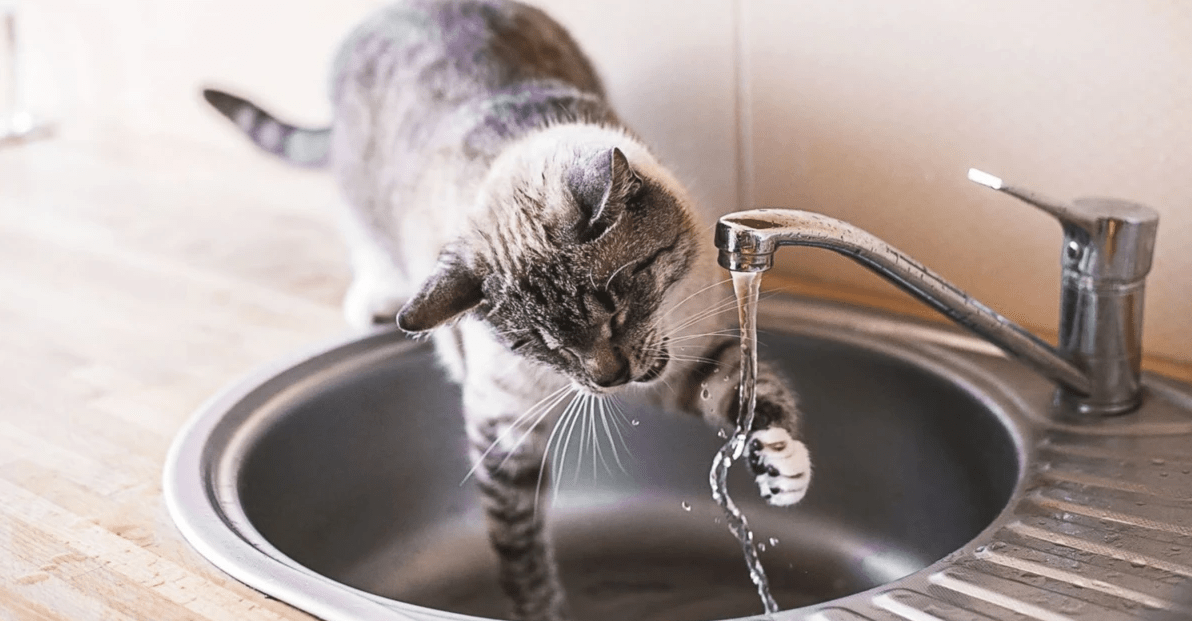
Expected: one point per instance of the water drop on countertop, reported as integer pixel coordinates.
(686, 506)
(723, 433)
(635, 422)
(773, 541)
(705, 394)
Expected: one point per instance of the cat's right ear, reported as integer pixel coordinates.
(601, 188)
(452, 290)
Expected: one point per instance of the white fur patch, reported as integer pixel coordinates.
(789, 458)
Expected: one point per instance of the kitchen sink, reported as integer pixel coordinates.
(945, 487)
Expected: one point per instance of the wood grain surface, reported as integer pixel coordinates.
(136, 279)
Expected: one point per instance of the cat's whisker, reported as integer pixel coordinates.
(608, 430)
(697, 359)
(690, 297)
(530, 428)
(567, 442)
(597, 450)
(616, 403)
(617, 271)
(688, 337)
(532, 411)
(704, 315)
(720, 299)
(581, 422)
(556, 466)
(568, 433)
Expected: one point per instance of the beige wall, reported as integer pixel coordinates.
(868, 110)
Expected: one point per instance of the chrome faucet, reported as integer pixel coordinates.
(1108, 245)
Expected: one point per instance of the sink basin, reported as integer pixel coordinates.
(337, 482)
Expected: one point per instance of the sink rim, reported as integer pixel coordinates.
(200, 493)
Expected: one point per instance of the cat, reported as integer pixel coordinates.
(496, 202)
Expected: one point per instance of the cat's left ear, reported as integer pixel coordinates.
(601, 189)
(452, 290)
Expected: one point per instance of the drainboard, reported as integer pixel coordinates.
(337, 482)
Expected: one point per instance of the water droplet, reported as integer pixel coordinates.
(773, 541)
(705, 394)
(997, 545)
(723, 433)
(635, 422)
(1138, 563)
(686, 506)
(1186, 470)
(1163, 474)
(716, 521)
(761, 547)
(980, 549)
(1158, 462)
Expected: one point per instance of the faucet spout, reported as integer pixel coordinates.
(748, 240)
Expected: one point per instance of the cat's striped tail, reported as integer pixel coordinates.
(304, 147)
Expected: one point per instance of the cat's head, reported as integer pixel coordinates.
(571, 264)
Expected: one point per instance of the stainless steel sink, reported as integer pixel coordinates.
(944, 489)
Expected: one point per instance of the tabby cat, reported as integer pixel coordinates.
(496, 201)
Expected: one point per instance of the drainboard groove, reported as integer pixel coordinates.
(916, 606)
(1043, 565)
(837, 614)
(1084, 506)
(1024, 599)
(1157, 477)
(1086, 447)
(977, 605)
(1056, 472)
(1127, 553)
(1108, 535)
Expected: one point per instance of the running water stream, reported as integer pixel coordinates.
(746, 285)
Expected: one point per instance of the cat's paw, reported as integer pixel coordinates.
(781, 464)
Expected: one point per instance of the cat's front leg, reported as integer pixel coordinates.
(509, 469)
(779, 459)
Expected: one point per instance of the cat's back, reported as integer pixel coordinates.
(450, 51)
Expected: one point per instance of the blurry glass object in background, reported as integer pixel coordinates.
(17, 123)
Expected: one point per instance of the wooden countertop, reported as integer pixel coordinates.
(134, 283)
(136, 279)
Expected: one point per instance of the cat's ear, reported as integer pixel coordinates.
(602, 188)
(452, 290)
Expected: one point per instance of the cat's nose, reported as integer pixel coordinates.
(612, 371)
(616, 377)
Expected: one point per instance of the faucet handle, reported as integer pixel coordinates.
(1104, 238)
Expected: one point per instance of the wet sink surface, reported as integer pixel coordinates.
(345, 472)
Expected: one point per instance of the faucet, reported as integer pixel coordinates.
(1107, 251)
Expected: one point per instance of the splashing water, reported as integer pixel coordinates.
(746, 286)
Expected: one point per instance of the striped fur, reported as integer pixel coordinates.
(496, 202)
(304, 147)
